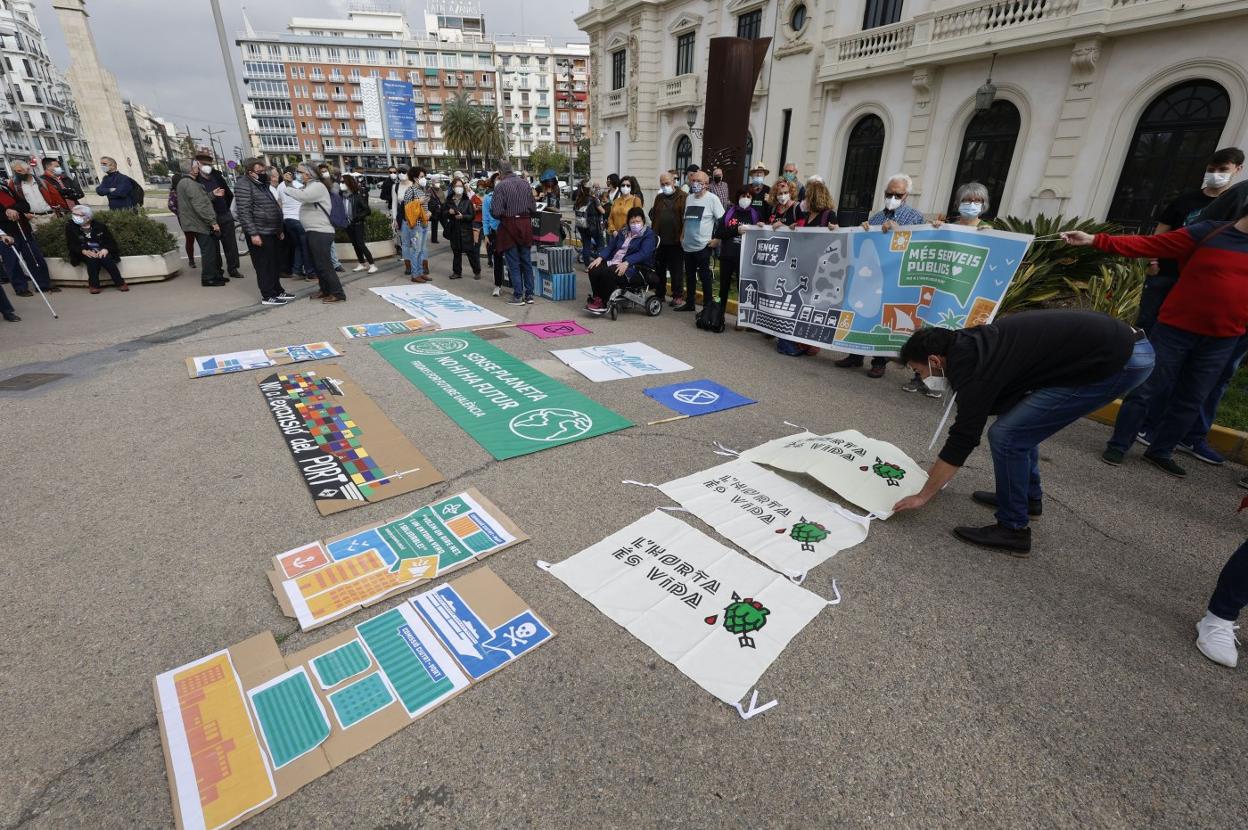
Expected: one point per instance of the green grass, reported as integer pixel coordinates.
(1233, 412)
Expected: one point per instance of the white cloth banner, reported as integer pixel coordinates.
(770, 517)
(714, 614)
(623, 360)
(444, 309)
(872, 474)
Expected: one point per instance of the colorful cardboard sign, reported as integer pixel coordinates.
(866, 292)
(698, 397)
(388, 328)
(441, 308)
(771, 518)
(368, 564)
(507, 407)
(224, 364)
(719, 617)
(223, 769)
(872, 474)
(348, 451)
(623, 360)
(556, 328)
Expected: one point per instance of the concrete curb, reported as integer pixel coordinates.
(1230, 442)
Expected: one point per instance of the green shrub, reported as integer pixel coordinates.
(378, 227)
(1050, 264)
(137, 234)
(1114, 290)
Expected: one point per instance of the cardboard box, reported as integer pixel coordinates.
(558, 286)
(246, 727)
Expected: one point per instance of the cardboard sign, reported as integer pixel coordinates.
(347, 450)
(771, 518)
(388, 328)
(441, 308)
(719, 617)
(224, 364)
(557, 328)
(698, 397)
(623, 360)
(246, 727)
(322, 581)
(866, 292)
(872, 474)
(507, 407)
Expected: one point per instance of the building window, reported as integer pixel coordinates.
(797, 18)
(1176, 134)
(987, 150)
(863, 152)
(881, 13)
(684, 54)
(684, 155)
(617, 69)
(750, 24)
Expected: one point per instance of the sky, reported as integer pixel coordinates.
(165, 55)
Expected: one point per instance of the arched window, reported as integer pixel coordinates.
(1174, 137)
(749, 154)
(987, 150)
(862, 168)
(684, 155)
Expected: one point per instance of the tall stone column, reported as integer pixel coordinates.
(100, 109)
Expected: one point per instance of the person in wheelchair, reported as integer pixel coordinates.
(629, 254)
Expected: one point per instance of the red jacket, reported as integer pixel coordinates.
(50, 194)
(1211, 296)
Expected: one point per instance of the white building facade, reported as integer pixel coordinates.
(1101, 108)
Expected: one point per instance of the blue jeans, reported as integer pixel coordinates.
(1231, 594)
(299, 262)
(25, 245)
(520, 266)
(1209, 409)
(591, 241)
(1188, 368)
(415, 241)
(1016, 435)
(1156, 289)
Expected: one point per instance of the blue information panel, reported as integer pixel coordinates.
(479, 649)
(698, 397)
(399, 110)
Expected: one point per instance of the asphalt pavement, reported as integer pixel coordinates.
(952, 687)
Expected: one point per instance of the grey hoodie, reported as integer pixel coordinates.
(314, 207)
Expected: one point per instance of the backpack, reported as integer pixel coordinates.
(711, 317)
(172, 202)
(337, 212)
(136, 194)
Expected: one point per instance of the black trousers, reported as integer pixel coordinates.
(500, 261)
(698, 268)
(93, 271)
(266, 258)
(856, 360)
(603, 280)
(472, 249)
(209, 257)
(1231, 595)
(669, 259)
(229, 241)
(729, 268)
(319, 244)
(355, 231)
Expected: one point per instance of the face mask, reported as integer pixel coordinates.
(783, 198)
(78, 220)
(56, 171)
(421, 181)
(718, 177)
(298, 183)
(394, 176)
(342, 188)
(25, 176)
(325, 174)
(743, 203)
(790, 177)
(459, 191)
(756, 179)
(636, 227)
(206, 169)
(666, 190)
(1216, 181)
(970, 209)
(625, 189)
(892, 203)
(934, 382)
(697, 187)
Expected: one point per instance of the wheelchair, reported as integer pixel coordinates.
(639, 293)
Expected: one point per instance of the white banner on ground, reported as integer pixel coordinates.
(444, 309)
(623, 360)
(770, 517)
(717, 616)
(872, 474)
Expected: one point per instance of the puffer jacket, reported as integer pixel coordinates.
(258, 212)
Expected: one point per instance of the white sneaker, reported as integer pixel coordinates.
(359, 267)
(285, 296)
(273, 301)
(496, 292)
(372, 269)
(1215, 637)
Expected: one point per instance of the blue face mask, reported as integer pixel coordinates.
(970, 209)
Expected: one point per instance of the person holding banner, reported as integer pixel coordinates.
(1038, 372)
(735, 221)
(784, 212)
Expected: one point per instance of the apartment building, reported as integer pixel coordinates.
(540, 99)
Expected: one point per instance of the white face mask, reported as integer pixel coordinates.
(421, 181)
(206, 169)
(1216, 181)
(783, 198)
(934, 382)
(342, 188)
(970, 209)
(666, 190)
(743, 203)
(636, 227)
(892, 203)
(697, 187)
(325, 175)
(298, 182)
(56, 171)
(626, 189)
(78, 220)
(459, 191)
(394, 176)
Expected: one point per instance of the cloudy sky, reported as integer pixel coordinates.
(165, 53)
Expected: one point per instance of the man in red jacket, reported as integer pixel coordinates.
(1198, 327)
(17, 239)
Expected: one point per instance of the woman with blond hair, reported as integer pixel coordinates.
(819, 211)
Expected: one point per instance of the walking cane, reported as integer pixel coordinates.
(26, 270)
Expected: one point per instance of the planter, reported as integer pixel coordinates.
(133, 269)
(379, 250)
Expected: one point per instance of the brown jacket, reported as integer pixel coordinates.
(667, 217)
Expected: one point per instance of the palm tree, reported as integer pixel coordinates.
(492, 141)
(461, 125)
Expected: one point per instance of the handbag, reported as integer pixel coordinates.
(711, 317)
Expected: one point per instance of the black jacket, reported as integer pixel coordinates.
(65, 185)
(459, 228)
(1228, 207)
(358, 206)
(992, 367)
(258, 212)
(210, 184)
(80, 238)
(387, 189)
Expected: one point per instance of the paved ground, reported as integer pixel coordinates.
(951, 688)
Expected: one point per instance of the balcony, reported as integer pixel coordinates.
(615, 103)
(680, 92)
(320, 96)
(357, 97)
(346, 133)
(339, 96)
(470, 82)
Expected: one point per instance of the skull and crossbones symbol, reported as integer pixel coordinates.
(518, 635)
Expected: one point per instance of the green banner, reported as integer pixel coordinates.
(947, 266)
(507, 407)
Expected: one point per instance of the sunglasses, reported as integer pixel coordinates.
(888, 194)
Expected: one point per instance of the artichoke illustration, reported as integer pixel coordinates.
(808, 532)
(743, 616)
(891, 473)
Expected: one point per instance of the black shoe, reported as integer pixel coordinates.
(213, 283)
(986, 497)
(236, 274)
(339, 269)
(52, 289)
(997, 537)
(26, 293)
(685, 307)
(11, 317)
(457, 276)
(1166, 465)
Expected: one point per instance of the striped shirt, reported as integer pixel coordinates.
(904, 215)
(512, 197)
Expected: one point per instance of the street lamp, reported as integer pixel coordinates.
(988, 91)
(691, 118)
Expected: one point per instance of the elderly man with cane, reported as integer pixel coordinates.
(15, 224)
